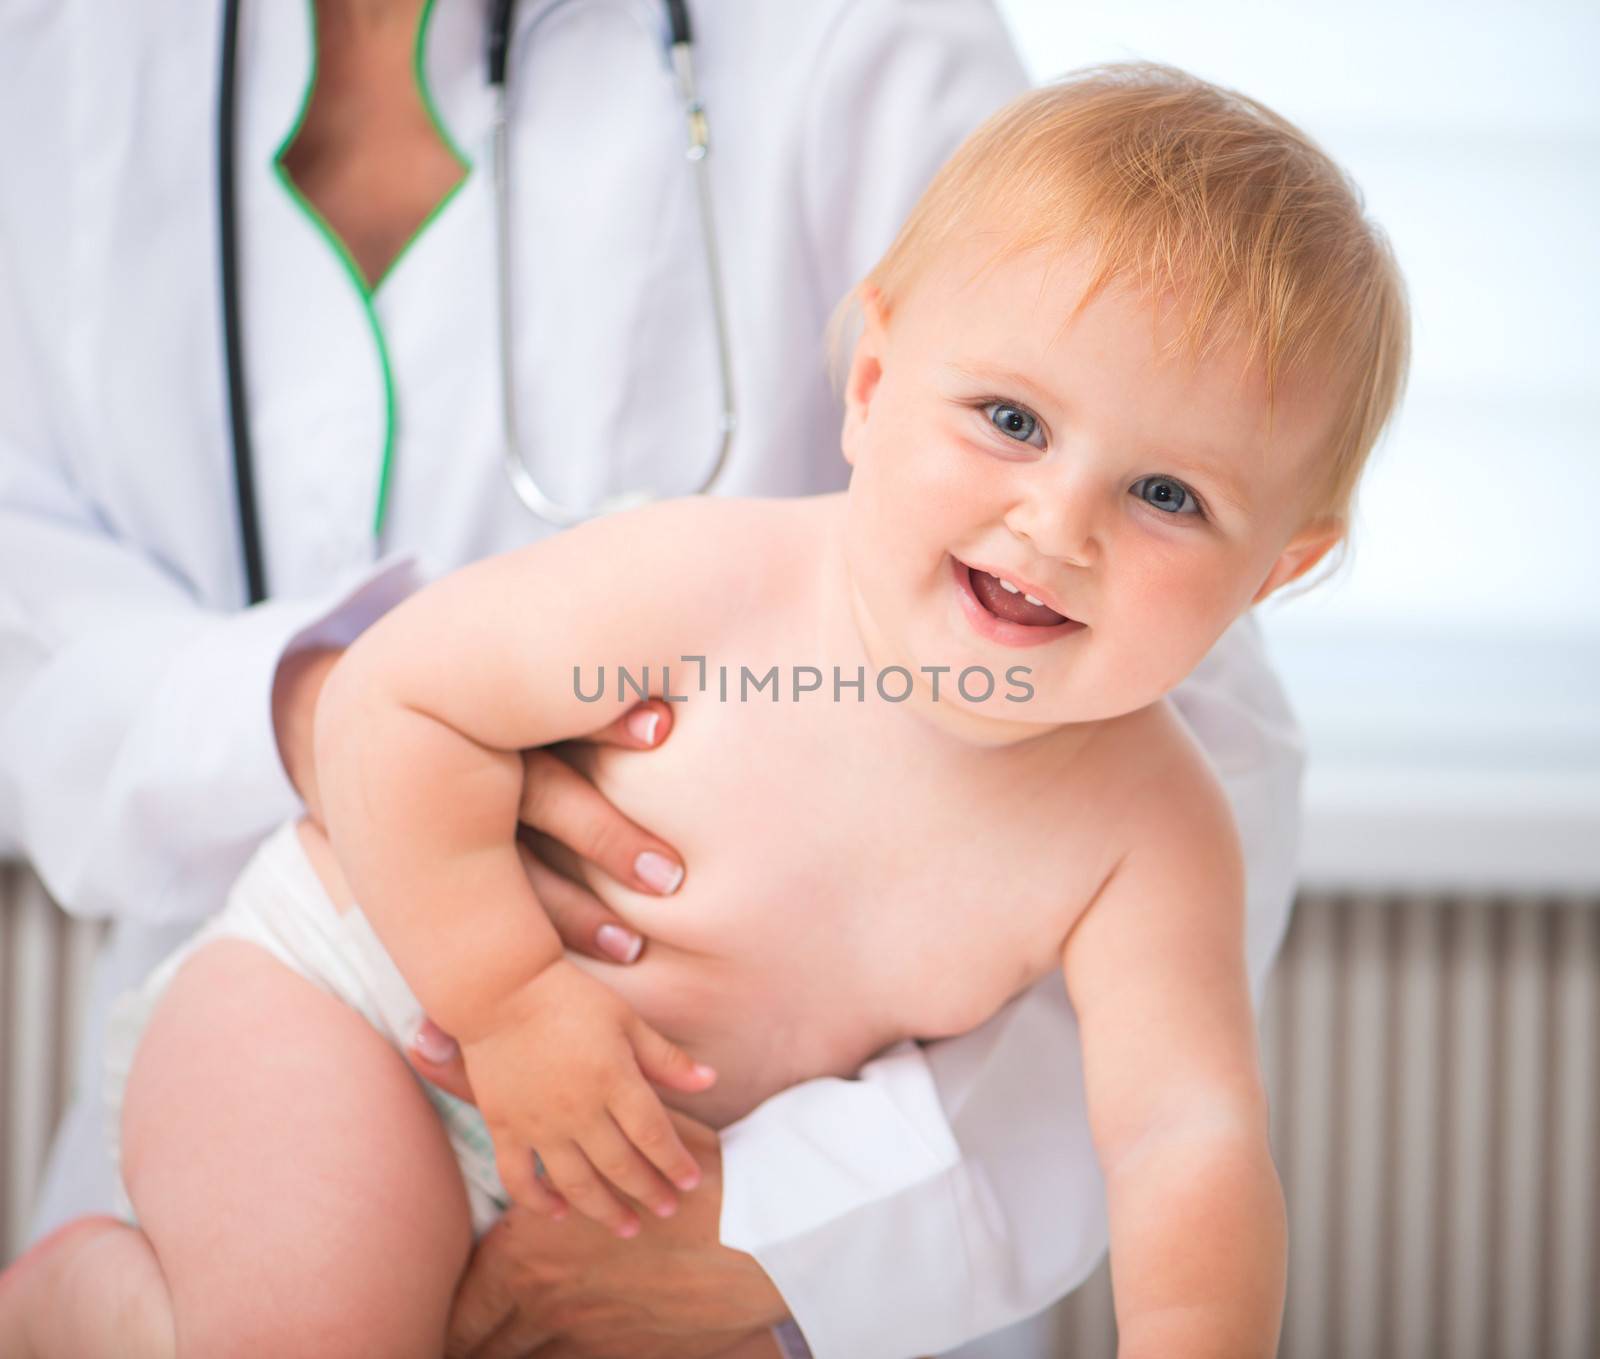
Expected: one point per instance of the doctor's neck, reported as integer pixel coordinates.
(370, 14)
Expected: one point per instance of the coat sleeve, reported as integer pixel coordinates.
(952, 1189)
(138, 766)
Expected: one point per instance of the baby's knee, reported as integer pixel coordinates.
(90, 1290)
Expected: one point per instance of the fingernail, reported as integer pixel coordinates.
(704, 1072)
(689, 1180)
(434, 1045)
(666, 1208)
(629, 1229)
(643, 725)
(659, 872)
(616, 942)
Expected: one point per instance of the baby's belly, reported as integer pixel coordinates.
(759, 1029)
(835, 901)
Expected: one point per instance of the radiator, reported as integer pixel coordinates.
(1434, 1064)
(45, 961)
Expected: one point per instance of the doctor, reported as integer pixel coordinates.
(949, 1191)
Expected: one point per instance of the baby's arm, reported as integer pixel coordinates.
(417, 740)
(1156, 971)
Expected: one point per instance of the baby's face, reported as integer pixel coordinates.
(1142, 497)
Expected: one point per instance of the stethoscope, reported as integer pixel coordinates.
(678, 42)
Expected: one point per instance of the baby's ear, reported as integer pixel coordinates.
(1300, 554)
(866, 368)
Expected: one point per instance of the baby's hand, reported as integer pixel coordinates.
(568, 1077)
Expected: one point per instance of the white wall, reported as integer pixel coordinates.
(1448, 678)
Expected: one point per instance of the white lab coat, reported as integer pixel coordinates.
(949, 1191)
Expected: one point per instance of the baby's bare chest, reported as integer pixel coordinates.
(837, 865)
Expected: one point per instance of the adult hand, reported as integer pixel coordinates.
(565, 819)
(564, 814)
(572, 1290)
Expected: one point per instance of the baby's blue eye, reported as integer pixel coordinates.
(1013, 421)
(1167, 495)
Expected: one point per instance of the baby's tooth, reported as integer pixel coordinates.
(1007, 586)
(1032, 600)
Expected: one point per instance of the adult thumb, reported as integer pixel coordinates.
(436, 1056)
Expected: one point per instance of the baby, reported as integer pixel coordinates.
(1115, 383)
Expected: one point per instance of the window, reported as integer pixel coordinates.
(1449, 677)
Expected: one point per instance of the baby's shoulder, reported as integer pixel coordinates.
(1178, 880)
(1169, 790)
(701, 567)
(738, 532)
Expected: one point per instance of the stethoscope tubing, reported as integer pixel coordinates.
(517, 470)
(232, 331)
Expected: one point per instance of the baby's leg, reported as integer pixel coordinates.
(91, 1287)
(294, 1183)
(298, 1188)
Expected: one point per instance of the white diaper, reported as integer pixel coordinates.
(279, 903)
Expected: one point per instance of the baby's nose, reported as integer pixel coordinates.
(1057, 525)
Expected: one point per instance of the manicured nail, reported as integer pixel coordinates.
(659, 872)
(433, 1044)
(616, 942)
(643, 725)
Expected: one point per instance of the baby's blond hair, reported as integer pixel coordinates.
(1178, 184)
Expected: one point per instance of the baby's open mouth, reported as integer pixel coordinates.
(1009, 603)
